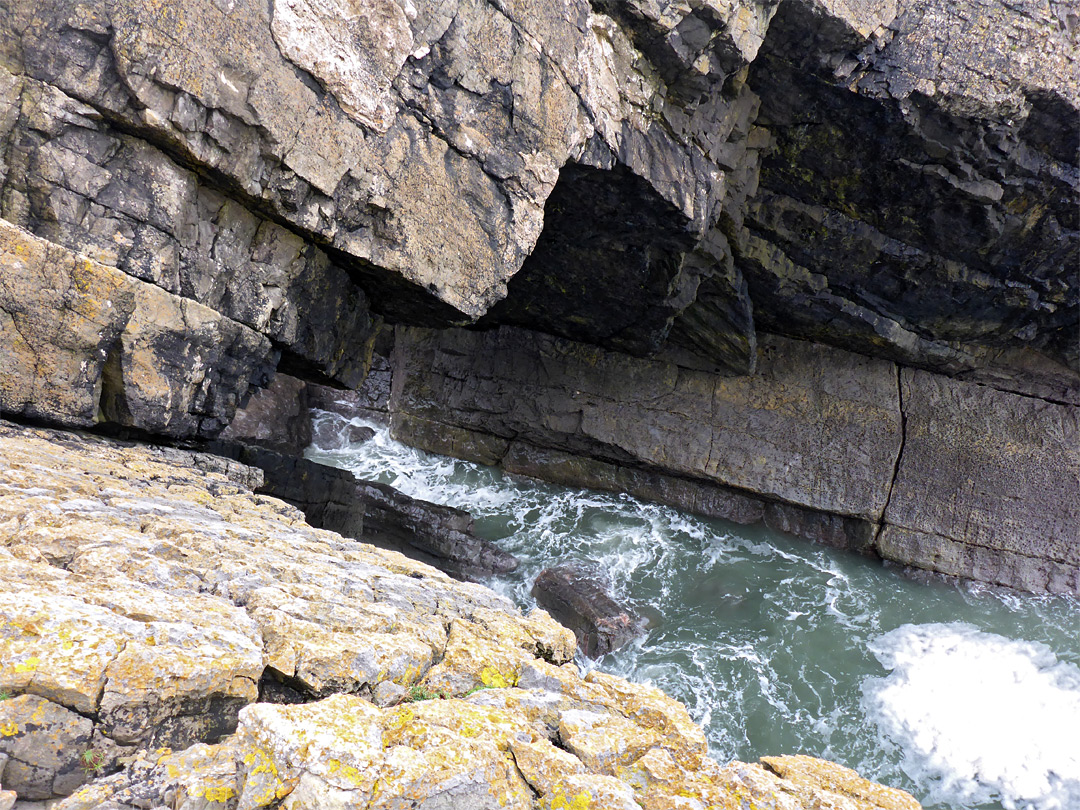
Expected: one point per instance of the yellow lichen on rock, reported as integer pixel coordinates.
(809, 775)
(153, 591)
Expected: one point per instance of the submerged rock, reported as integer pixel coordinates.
(577, 595)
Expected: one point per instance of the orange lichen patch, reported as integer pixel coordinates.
(805, 773)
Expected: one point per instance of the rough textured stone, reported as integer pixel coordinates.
(334, 499)
(149, 593)
(78, 181)
(808, 773)
(275, 417)
(918, 197)
(59, 317)
(85, 343)
(45, 745)
(785, 433)
(988, 485)
(576, 595)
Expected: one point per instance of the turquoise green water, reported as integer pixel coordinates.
(965, 696)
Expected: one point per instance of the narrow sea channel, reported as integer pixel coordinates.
(966, 696)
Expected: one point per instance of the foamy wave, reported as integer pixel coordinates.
(979, 717)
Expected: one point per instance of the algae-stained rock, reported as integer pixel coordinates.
(45, 745)
(181, 369)
(60, 314)
(84, 342)
(432, 753)
(123, 202)
(988, 486)
(604, 741)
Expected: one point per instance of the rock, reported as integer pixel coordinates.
(151, 593)
(86, 343)
(577, 596)
(830, 446)
(126, 203)
(815, 427)
(929, 217)
(330, 432)
(336, 500)
(48, 747)
(441, 532)
(808, 774)
(60, 316)
(162, 591)
(988, 486)
(275, 417)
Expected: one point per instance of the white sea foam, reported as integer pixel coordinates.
(979, 717)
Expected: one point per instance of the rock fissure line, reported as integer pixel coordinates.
(899, 454)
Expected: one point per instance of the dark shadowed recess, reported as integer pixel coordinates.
(608, 267)
(877, 213)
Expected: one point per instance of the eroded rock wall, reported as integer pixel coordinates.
(941, 474)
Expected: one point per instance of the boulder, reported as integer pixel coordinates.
(576, 595)
(48, 748)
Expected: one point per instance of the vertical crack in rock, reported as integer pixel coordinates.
(899, 453)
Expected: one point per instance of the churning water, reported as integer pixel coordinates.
(965, 696)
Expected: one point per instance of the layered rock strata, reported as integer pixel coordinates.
(936, 473)
(82, 342)
(147, 592)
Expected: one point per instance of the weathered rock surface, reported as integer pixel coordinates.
(782, 433)
(988, 486)
(146, 591)
(918, 199)
(83, 343)
(334, 499)
(856, 453)
(577, 596)
(76, 179)
(276, 417)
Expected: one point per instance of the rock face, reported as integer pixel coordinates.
(942, 474)
(83, 342)
(891, 183)
(334, 499)
(147, 591)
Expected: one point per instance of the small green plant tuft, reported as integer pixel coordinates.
(418, 692)
(92, 761)
(5, 695)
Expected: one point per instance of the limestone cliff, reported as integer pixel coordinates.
(890, 183)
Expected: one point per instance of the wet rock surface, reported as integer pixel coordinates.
(578, 597)
(148, 591)
(334, 499)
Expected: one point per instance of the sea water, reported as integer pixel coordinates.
(966, 696)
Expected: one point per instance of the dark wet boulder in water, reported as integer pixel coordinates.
(577, 595)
